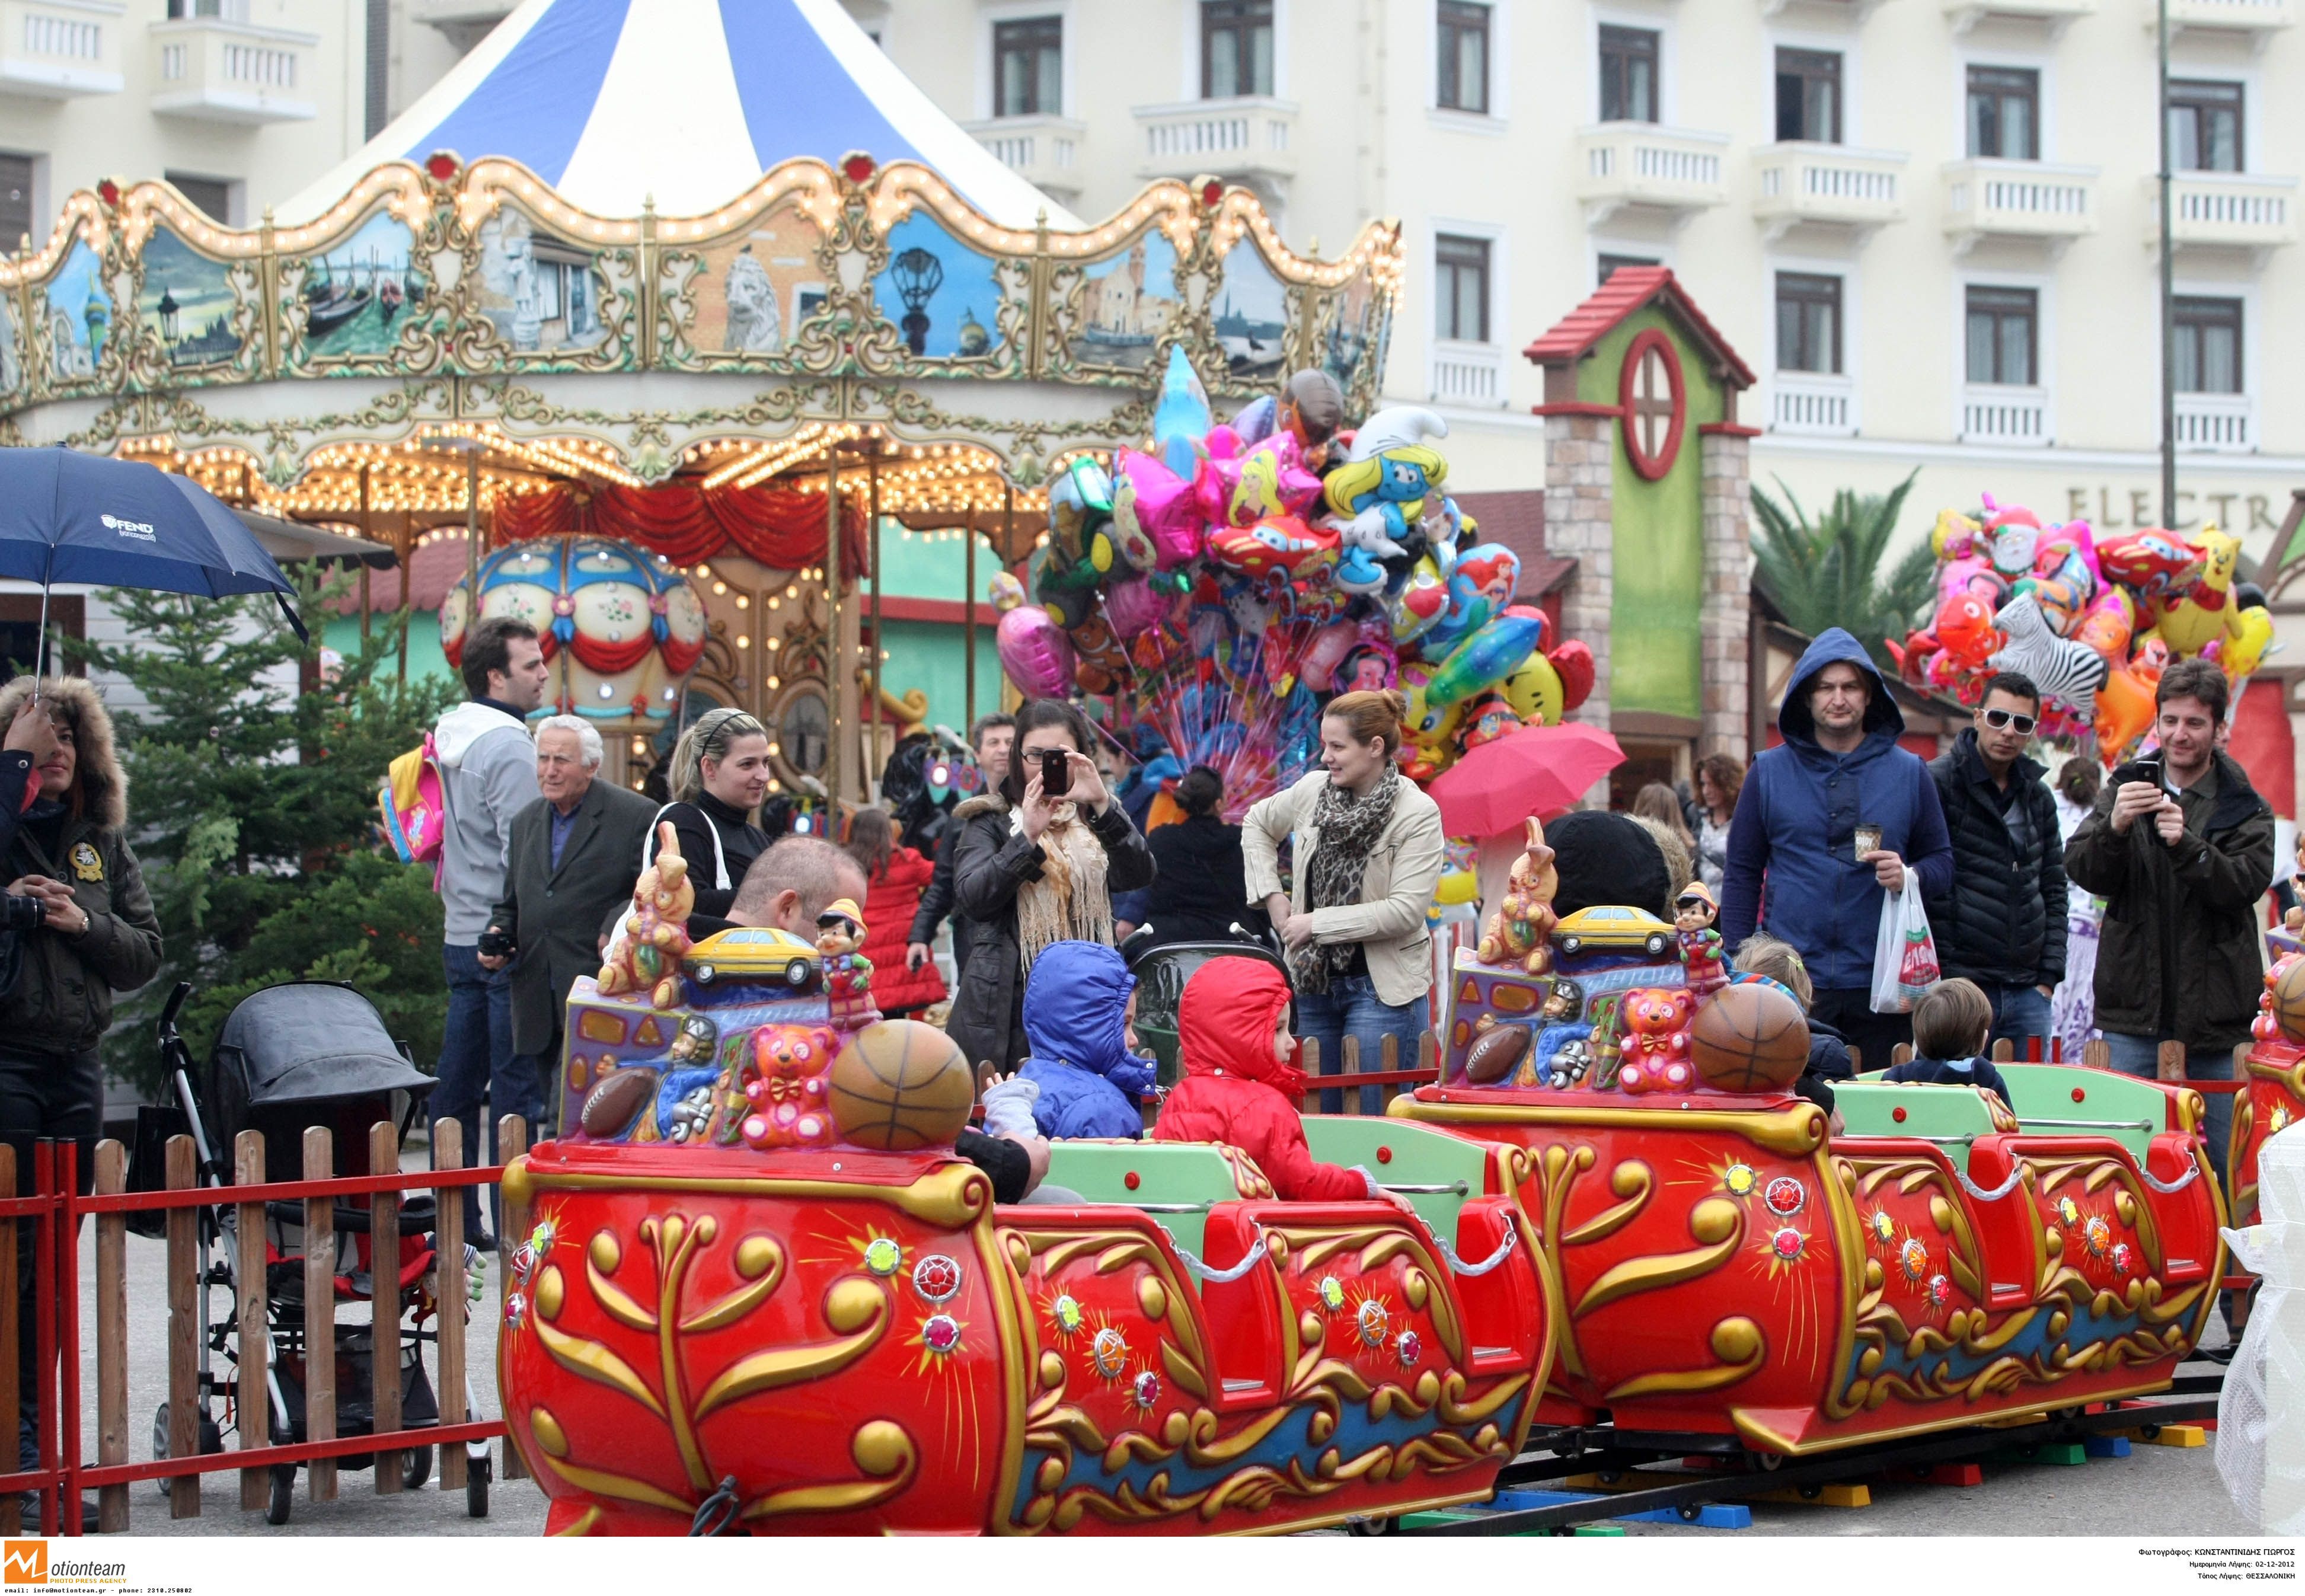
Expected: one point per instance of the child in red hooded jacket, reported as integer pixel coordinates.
(1241, 1085)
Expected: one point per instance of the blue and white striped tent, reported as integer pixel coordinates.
(613, 102)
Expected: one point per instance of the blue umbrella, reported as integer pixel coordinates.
(121, 523)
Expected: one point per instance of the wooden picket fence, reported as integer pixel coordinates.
(1357, 1072)
(56, 1210)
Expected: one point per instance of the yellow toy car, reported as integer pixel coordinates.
(1616, 927)
(753, 954)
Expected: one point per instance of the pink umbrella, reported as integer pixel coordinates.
(1539, 771)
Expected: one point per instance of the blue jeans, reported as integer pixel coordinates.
(2019, 1014)
(477, 1062)
(2140, 1056)
(1351, 1007)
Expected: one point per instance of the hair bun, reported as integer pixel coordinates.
(1399, 701)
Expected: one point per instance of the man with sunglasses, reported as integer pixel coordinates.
(2000, 922)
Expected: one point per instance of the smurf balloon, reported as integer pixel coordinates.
(1379, 493)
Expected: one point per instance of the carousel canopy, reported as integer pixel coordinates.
(686, 102)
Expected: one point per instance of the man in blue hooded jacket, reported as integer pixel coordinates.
(1076, 1020)
(1797, 819)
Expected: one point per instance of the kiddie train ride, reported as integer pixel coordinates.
(2273, 1095)
(1719, 1263)
(759, 1279)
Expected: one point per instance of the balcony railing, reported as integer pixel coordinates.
(2217, 423)
(2228, 16)
(1472, 375)
(1253, 138)
(2057, 14)
(2000, 199)
(58, 49)
(1676, 170)
(1992, 414)
(1045, 151)
(1813, 404)
(2225, 209)
(1827, 183)
(218, 71)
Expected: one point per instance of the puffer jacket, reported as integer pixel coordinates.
(2003, 920)
(2180, 958)
(62, 1001)
(1077, 1019)
(1236, 1092)
(891, 899)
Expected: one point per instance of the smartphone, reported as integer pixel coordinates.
(1868, 841)
(1056, 772)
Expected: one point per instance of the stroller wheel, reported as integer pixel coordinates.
(284, 1493)
(476, 1487)
(415, 1467)
(160, 1444)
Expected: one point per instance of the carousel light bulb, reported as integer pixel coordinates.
(792, 592)
(774, 683)
(775, 750)
(719, 589)
(743, 602)
(743, 641)
(776, 603)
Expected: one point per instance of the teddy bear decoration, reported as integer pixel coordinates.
(644, 955)
(1520, 931)
(1655, 1046)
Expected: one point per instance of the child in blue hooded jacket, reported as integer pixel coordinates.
(1076, 1021)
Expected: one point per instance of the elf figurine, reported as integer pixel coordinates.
(848, 973)
(1695, 911)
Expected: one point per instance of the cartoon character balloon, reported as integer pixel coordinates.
(1033, 649)
(620, 627)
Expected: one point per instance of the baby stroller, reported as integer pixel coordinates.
(291, 1058)
(1161, 969)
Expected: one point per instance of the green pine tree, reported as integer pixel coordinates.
(1827, 572)
(252, 809)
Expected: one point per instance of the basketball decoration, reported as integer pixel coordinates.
(1749, 1038)
(900, 1086)
(2289, 1001)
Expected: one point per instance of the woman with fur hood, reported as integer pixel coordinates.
(1033, 869)
(97, 936)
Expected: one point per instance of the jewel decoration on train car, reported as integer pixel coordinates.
(2093, 622)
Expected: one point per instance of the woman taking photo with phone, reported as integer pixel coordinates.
(1368, 858)
(1036, 862)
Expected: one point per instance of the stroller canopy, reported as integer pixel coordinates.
(310, 1041)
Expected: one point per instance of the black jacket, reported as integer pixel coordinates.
(1202, 886)
(936, 903)
(741, 843)
(991, 861)
(2003, 923)
(556, 916)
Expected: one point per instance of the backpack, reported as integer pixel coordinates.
(409, 796)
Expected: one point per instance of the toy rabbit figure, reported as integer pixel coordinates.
(848, 973)
(1521, 928)
(646, 951)
(1695, 911)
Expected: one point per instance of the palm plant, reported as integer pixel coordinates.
(1827, 572)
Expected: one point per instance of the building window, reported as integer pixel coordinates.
(2209, 346)
(1628, 74)
(2205, 126)
(1808, 95)
(1607, 266)
(1236, 48)
(2004, 336)
(1461, 268)
(1809, 323)
(230, 11)
(2004, 113)
(15, 199)
(211, 195)
(1028, 67)
(1463, 46)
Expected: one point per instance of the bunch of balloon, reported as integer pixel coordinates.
(619, 627)
(1223, 583)
(2093, 623)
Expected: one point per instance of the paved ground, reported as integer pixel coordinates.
(2155, 1491)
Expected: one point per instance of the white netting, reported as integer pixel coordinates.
(2261, 1413)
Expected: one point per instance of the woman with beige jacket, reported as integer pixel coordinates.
(1367, 860)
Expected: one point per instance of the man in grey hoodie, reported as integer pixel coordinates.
(488, 774)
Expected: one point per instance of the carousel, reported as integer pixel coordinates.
(669, 374)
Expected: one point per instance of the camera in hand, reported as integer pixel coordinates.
(495, 942)
(22, 913)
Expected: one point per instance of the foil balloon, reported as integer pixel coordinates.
(1099, 663)
(1079, 495)
(1972, 574)
(1534, 690)
(2059, 599)
(1255, 422)
(1487, 718)
(2066, 670)
(1460, 872)
(2205, 612)
(1369, 666)
(1965, 633)
(1034, 651)
(1483, 583)
(1135, 606)
(2108, 623)
(1316, 667)
(2124, 708)
(1421, 602)
(2240, 654)
(1380, 491)
(2153, 565)
(1153, 516)
(1488, 656)
(1282, 546)
(1181, 420)
(1243, 490)
(1954, 536)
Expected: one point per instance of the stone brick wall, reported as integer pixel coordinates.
(1578, 525)
(1726, 510)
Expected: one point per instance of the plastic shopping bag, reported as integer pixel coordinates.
(1904, 954)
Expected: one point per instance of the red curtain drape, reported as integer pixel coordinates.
(686, 523)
